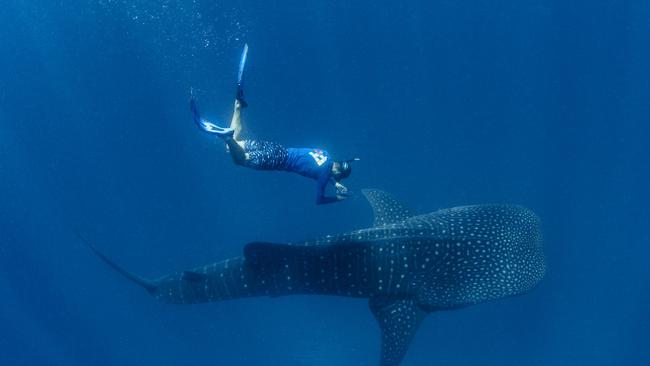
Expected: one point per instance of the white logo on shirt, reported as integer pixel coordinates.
(318, 157)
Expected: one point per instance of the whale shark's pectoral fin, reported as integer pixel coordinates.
(387, 209)
(398, 319)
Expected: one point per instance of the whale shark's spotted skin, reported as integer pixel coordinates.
(406, 265)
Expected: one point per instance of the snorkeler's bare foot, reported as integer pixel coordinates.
(239, 97)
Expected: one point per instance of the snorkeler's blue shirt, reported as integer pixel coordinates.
(314, 164)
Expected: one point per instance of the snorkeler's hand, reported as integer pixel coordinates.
(341, 195)
(340, 188)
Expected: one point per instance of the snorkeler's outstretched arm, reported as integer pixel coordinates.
(321, 198)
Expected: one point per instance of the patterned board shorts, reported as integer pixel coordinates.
(265, 155)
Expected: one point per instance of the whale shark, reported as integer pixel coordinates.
(406, 265)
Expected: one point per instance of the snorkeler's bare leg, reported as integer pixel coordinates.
(235, 143)
(235, 122)
(236, 149)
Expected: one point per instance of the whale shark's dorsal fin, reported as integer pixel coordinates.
(398, 320)
(387, 209)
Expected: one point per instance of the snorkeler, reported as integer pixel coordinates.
(266, 155)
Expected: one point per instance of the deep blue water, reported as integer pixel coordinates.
(544, 103)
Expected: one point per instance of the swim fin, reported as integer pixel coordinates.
(239, 94)
(206, 125)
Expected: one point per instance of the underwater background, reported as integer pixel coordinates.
(544, 103)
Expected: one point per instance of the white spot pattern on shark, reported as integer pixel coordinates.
(406, 265)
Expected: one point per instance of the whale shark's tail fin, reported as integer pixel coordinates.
(149, 285)
(398, 320)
